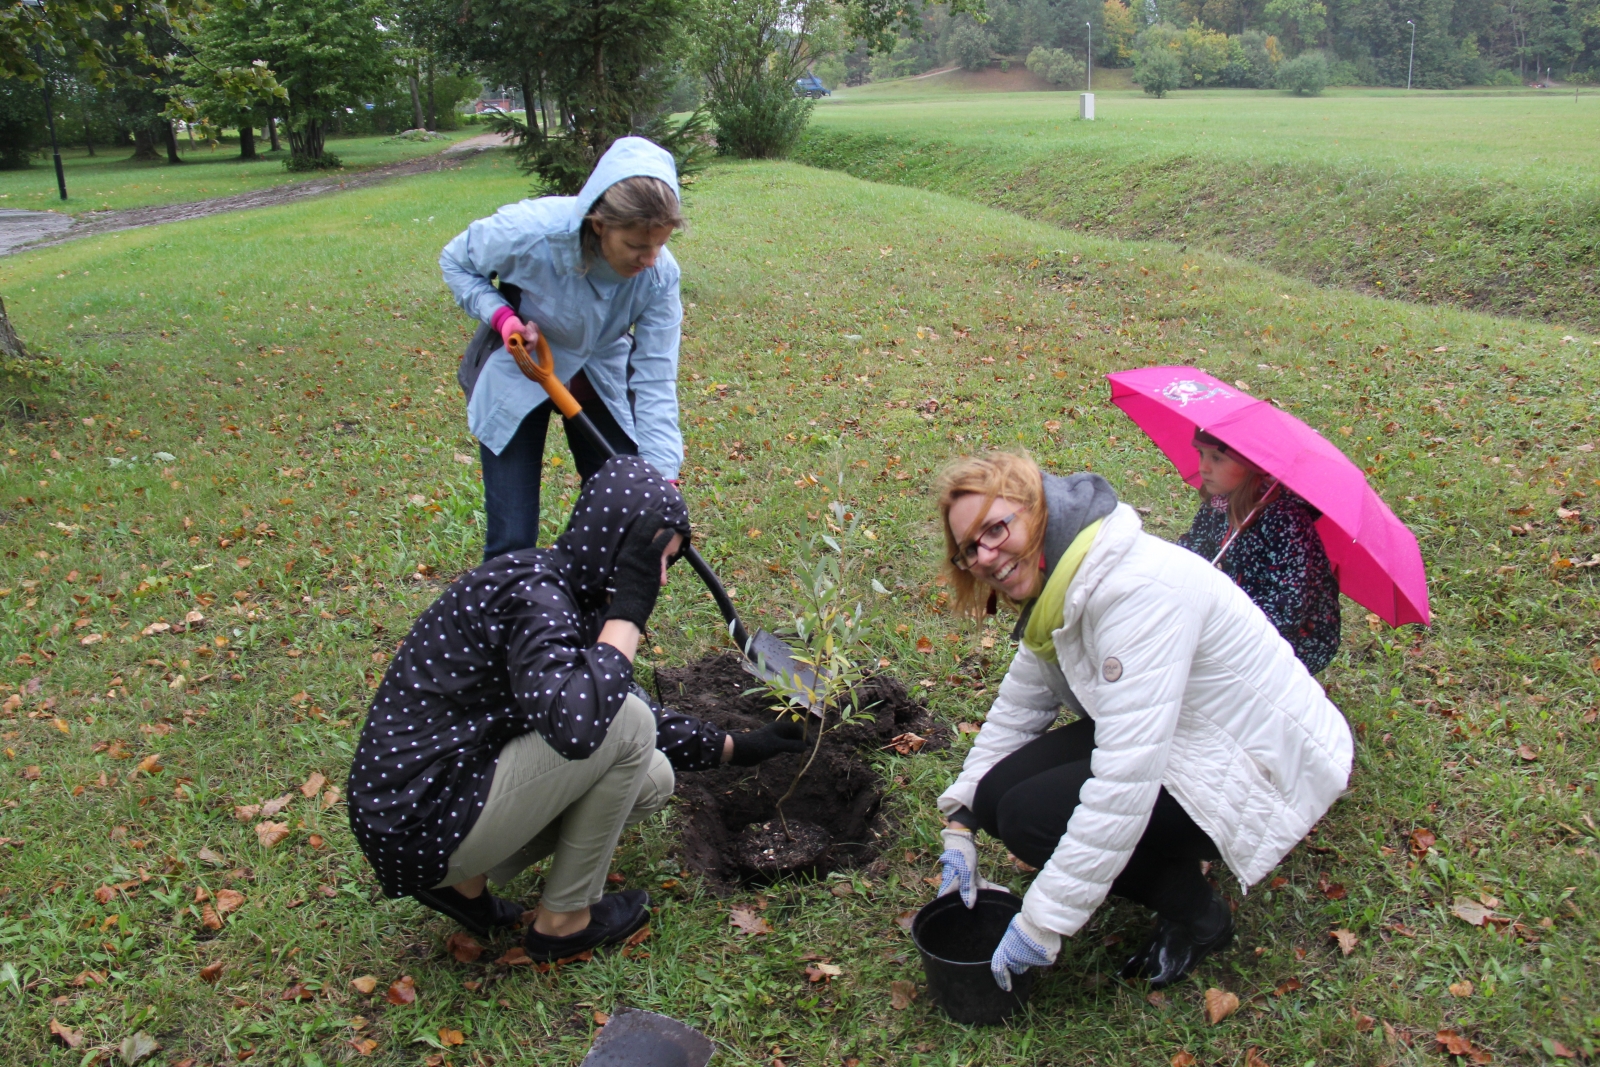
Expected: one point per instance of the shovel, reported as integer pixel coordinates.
(636, 1038)
(766, 656)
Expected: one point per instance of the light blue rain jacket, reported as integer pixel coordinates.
(586, 316)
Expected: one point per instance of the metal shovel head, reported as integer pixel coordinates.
(636, 1038)
(770, 659)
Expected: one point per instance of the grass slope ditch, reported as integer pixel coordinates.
(1478, 241)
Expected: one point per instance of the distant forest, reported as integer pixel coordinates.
(1237, 42)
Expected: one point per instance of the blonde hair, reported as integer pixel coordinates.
(640, 202)
(993, 475)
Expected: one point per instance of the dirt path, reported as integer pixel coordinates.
(26, 230)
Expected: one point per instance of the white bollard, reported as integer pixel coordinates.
(1086, 106)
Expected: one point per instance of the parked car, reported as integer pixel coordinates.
(810, 86)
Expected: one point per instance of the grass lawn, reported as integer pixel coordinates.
(296, 365)
(108, 180)
(1484, 199)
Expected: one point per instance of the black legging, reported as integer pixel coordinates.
(1026, 799)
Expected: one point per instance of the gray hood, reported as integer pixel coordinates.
(1073, 502)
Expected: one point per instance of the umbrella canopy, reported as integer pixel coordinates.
(1373, 554)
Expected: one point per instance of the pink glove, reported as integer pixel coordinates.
(505, 322)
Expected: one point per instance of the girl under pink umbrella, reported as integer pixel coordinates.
(1264, 537)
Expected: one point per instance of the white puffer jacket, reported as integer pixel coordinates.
(1191, 688)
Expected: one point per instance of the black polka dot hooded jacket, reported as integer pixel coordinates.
(508, 649)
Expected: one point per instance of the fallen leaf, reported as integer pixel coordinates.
(313, 785)
(450, 1037)
(208, 856)
(907, 743)
(1556, 1048)
(1347, 941)
(747, 920)
(1219, 1005)
(901, 994)
(403, 991)
(1463, 988)
(822, 972)
(136, 1047)
(1422, 840)
(31, 773)
(967, 727)
(271, 833)
(516, 956)
(105, 894)
(1470, 911)
(904, 920)
(151, 764)
(1183, 1058)
(275, 805)
(639, 937)
(601, 1018)
(365, 984)
(1290, 986)
(364, 1046)
(1528, 752)
(330, 798)
(925, 645)
(316, 841)
(66, 1035)
(1252, 1058)
(229, 901)
(211, 972)
(463, 947)
(209, 918)
(246, 812)
(1156, 999)
(1331, 890)
(297, 992)
(1364, 1023)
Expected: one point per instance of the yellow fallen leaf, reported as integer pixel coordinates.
(365, 984)
(1219, 1005)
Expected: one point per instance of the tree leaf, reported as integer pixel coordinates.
(1463, 988)
(1219, 1005)
(313, 785)
(65, 1034)
(822, 972)
(1183, 1058)
(449, 1037)
(1252, 1058)
(1422, 840)
(205, 855)
(136, 1047)
(925, 645)
(901, 994)
(365, 984)
(1347, 940)
(229, 901)
(403, 991)
(271, 833)
(211, 972)
(275, 805)
(1470, 911)
(515, 956)
(747, 920)
(463, 947)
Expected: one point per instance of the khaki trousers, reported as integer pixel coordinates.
(543, 804)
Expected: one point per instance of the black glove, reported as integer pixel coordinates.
(636, 573)
(788, 734)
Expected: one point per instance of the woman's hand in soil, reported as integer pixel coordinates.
(960, 862)
(636, 573)
(1025, 945)
(788, 734)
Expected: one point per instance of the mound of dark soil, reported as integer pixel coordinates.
(723, 813)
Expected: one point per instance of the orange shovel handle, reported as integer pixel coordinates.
(543, 371)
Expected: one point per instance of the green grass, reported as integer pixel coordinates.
(298, 364)
(109, 180)
(1481, 199)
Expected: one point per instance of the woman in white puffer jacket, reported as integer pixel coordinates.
(1202, 736)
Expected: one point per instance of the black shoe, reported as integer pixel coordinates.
(481, 915)
(1178, 948)
(613, 919)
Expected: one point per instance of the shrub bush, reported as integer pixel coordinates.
(1056, 66)
(970, 46)
(760, 121)
(301, 164)
(1304, 75)
(1158, 70)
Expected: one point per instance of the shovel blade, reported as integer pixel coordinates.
(772, 660)
(636, 1038)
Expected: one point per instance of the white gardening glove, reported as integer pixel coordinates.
(960, 863)
(1025, 945)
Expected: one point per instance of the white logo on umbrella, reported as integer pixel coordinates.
(1184, 391)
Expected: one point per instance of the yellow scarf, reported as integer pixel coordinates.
(1049, 605)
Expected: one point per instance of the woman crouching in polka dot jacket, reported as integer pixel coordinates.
(508, 727)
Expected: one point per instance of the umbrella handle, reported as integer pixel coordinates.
(543, 371)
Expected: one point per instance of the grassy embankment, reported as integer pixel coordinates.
(1487, 200)
(109, 180)
(297, 364)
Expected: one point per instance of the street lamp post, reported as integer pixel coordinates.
(1088, 81)
(49, 110)
(1412, 62)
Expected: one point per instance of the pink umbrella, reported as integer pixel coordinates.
(1373, 554)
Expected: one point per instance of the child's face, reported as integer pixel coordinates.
(1220, 473)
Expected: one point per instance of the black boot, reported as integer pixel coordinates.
(481, 915)
(1178, 947)
(614, 918)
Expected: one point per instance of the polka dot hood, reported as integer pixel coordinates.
(508, 649)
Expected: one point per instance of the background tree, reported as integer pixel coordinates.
(750, 52)
(1118, 29)
(326, 54)
(1056, 67)
(1304, 75)
(970, 46)
(1158, 69)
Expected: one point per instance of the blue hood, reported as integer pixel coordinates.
(628, 157)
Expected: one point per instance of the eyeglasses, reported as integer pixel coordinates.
(992, 537)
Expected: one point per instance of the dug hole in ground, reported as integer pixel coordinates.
(728, 825)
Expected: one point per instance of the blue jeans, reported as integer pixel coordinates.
(511, 479)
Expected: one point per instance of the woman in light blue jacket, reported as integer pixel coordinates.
(593, 275)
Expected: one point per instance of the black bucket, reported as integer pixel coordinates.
(956, 944)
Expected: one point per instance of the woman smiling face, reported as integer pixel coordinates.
(991, 544)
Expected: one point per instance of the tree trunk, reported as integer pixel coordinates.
(144, 145)
(11, 346)
(272, 133)
(416, 102)
(433, 118)
(172, 143)
(307, 142)
(247, 141)
(88, 135)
